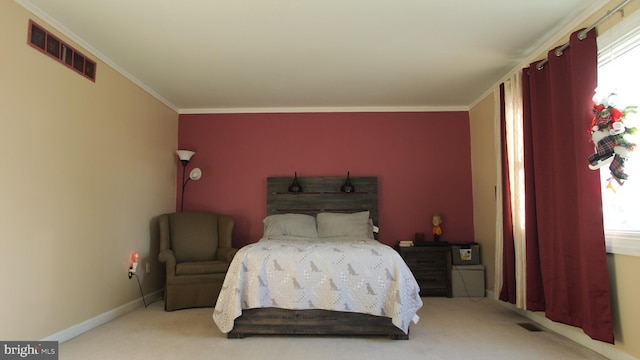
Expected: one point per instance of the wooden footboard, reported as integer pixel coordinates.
(275, 321)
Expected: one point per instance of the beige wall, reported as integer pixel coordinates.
(623, 272)
(483, 169)
(623, 269)
(85, 168)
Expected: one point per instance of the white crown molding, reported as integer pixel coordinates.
(106, 60)
(77, 39)
(71, 35)
(545, 47)
(268, 110)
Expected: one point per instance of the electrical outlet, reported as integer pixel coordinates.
(147, 268)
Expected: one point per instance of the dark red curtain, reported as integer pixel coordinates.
(508, 291)
(567, 275)
(535, 290)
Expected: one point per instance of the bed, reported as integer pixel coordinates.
(318, 269)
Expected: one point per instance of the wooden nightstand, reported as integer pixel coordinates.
(431, 266)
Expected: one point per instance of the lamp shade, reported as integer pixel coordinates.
(185, 155)
(195, 174)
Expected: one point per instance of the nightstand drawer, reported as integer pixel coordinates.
(426, 261)
(431, 266)
(434, 283)
(431, 280)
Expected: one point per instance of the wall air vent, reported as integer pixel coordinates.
(47, 43)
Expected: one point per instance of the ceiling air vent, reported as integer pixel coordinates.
(49, 44)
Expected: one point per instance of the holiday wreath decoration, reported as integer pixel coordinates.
(612, 137)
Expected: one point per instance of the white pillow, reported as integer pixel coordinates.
(300, 225)
(338, 224)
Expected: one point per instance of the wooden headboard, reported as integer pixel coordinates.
(322, 194)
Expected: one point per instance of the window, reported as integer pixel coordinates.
(618, 56)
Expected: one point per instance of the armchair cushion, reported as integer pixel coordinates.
(202, 267)
(194, 236)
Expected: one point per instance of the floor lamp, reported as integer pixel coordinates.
(195, 174)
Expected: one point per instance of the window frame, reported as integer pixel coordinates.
(622, 242)
(621, 37)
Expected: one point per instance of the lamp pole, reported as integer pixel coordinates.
(184, 168)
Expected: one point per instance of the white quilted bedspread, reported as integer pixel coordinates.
(345, 274)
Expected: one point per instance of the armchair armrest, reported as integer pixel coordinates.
(226, 254)
(166, 256)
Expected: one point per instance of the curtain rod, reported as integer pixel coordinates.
(583, 34)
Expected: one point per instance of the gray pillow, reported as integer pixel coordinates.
(340, 225)
(299, 225)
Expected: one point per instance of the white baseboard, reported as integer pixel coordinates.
(607, 350)
(79, 329)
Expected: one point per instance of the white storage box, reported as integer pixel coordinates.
(467, 281)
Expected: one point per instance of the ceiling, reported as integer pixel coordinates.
(304, 55)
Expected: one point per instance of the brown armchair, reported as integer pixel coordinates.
(196, 248)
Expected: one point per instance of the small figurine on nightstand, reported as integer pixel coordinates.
(436, 219)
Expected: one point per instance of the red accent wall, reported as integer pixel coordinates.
(422, 161)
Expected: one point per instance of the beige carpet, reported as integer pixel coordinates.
(449, 328)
